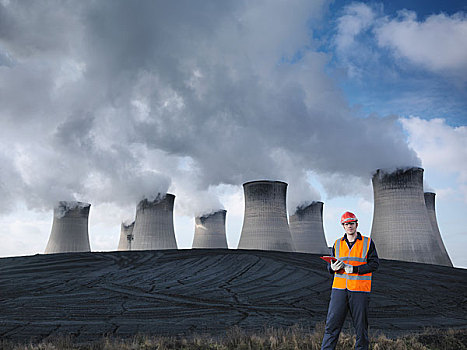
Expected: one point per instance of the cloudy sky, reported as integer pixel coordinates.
(109, 101)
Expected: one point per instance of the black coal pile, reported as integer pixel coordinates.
(181, 292)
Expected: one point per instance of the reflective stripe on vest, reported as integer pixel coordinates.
(356, 256)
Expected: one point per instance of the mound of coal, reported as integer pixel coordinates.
(180, 292)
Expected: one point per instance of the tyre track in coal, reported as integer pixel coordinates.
(177, 292)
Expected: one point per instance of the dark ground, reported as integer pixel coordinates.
(180, 292)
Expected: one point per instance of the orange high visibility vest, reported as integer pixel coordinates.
(356, 256)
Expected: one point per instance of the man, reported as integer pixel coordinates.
(356, 260)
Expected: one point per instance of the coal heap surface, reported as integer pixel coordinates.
(180, 292)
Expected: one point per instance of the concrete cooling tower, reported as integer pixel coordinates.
(69, 228)
(430, 207)
(401, 227)
(265, 225)
(126, 236)
(210, 231)
(154, 228)
(306, 227)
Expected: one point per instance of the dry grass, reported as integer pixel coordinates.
(295, 338)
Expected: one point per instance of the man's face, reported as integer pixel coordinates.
(350, 227)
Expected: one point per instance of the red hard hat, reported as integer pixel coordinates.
(348, 217)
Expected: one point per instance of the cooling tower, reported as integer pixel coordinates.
(430, 207)
(126, 236)
(306, 227)
(69, 228)
(401, 228)
(154, 228)
(265, 225)
(210, 231)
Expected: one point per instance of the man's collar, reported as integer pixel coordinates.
(359, 236)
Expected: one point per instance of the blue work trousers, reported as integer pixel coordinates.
(341, 302)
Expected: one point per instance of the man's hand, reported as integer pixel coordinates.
(337, 265)
(348, 268)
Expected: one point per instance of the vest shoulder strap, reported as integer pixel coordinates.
(366, 244)
(337, 247)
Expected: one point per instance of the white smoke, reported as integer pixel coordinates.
(195, 203)
(128, 223)
(112, 101)
(302, 206)
(208, 214)
(64, 207)
(299, 194)
(391, 171)
(427, 188)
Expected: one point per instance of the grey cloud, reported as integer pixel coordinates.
(74, 133)
(10, 181)
(5, 58)
(165, 81)
(29, 28)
